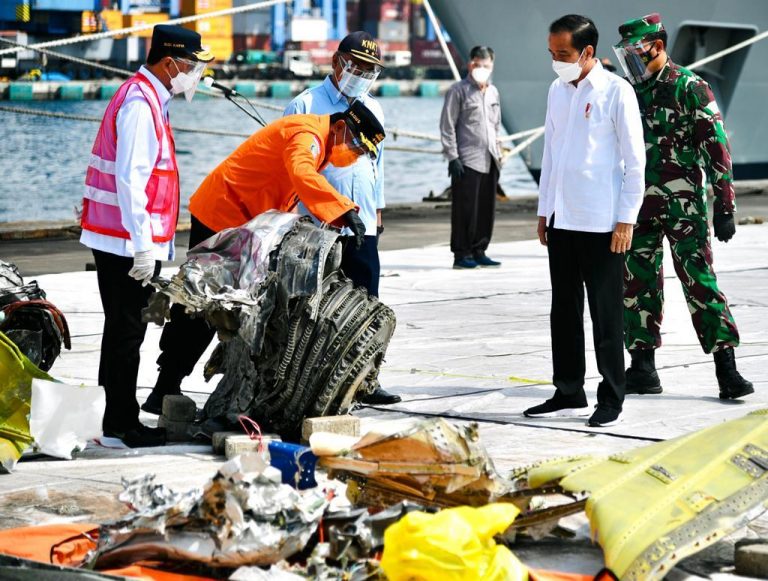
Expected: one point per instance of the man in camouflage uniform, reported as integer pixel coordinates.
(685, 141)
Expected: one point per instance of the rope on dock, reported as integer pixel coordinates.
(142, 27)
(218, 132)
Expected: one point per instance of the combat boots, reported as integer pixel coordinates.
(641, 375)
(732, 384)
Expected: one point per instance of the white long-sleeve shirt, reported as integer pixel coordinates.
(137, 148)
(593, 168)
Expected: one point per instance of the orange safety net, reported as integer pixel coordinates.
(67, 544)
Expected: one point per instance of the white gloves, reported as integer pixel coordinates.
(143, 266)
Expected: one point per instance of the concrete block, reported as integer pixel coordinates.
(179, 408)
(280, 90)
(389, 90)
(176, 431)
(345, 425)
(218, 440)
(429, 89)
(246, 88)
(70, 92)
(20, 92)
(751, 558)
(242, 443)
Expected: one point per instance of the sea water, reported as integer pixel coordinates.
(43, 160)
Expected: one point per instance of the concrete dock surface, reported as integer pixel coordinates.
(473, 345)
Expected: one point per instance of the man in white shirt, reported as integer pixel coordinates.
(130, 210)
(590, 193)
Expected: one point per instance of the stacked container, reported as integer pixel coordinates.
(216, 32)
(253, 29)
(388, 21)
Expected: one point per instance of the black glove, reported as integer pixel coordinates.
(725, 227)
(356, 225)
(455, 168)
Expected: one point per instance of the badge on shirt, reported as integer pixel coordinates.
(315, 148)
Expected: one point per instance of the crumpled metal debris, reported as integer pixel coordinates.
(35, 325)
(356, 535)
(299, 339)
(653, 506)
(434, 463)
(243, 516)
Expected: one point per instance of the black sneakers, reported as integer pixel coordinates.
(464, 263)
(153, 404)
(642, 378)
(380, 397)
(558, 407)
(604, 416)
(732, 384)
(140, 436)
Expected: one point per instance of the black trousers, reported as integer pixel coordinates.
(184, 338)
(576, 260)
(122, 299)
(362, 264)
(473, 208)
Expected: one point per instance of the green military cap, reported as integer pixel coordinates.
(636, 30)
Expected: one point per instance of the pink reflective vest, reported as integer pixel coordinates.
(101, 212)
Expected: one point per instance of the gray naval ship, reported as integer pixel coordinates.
(517, 30)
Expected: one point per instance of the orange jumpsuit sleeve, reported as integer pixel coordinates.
(316, 193)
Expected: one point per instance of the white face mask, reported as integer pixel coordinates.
(187, 82)
(568, 72)
(481, 75)
(355, 82)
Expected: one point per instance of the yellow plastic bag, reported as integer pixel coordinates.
(455, 544)
(16, 374)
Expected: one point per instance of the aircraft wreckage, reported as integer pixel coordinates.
(297, 339)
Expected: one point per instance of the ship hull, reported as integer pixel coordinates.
(517, 30)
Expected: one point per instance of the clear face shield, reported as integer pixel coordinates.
(187, 78)
(356, 81)
(634, 59)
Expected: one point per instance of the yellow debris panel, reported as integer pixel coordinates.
(650, 507)
(16, 374)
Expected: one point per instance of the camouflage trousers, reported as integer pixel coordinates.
(683, 220)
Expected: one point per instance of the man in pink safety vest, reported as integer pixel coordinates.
(130, 210)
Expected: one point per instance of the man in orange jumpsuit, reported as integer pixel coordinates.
(273, 169)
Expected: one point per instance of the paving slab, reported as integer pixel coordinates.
(473, 345)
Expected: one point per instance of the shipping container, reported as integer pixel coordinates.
(152, 18)
(20, 38)
(308, 29)
(426, 53)
(354, 16)
(393, 30)
(111, 19)
(242, 42)
(252, 22)
(221, 26)
(376, 10)
(56, 22)
(392, 46)
(65, 5)
(221, 47)
(320, 52)
(190, 7)
(89, 22)
(15, 10)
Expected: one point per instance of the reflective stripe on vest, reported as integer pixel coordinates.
(101, 210)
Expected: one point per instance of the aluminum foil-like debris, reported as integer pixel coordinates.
(242, 516)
